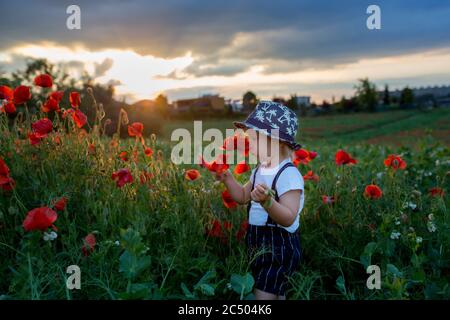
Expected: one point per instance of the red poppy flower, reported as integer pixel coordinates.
(435, 192)
(395, 162)
(89, 243)
(312, 154)
(42, 127)
(6, 182)
(4, 170)
(227, 225)
(21, 94)
(242, 230)
(79, 118)
(215, 230)
(6, 93)
(43, 80)
(135, 130)
(373, 192)
(60, 204)
(75, 99)
(91, 148)
(241, 168)
(228, 200)
(57, 95)
(219, 165)
(237, 142)
(311, 176)
(123, 176)
(328, 199)
(10, 108)
(301, 156)
(192, 174)
(343, 158)
(34, 138)
(50, 105)
(148, 151)
(123, 155)
(39, 219)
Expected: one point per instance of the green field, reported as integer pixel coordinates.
(150, 233)
(395, 127)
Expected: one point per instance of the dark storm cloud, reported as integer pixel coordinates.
(231, 36)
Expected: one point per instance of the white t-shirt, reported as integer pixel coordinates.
(289, 179)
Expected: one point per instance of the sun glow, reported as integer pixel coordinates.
(143, 76)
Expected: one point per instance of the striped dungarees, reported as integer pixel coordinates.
(275, 252)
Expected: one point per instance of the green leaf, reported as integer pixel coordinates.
(206, 289)
(366, 256)
(186, 291)
(131, 265)
(207, 277)
(242, 285)
(132, 241)
(391, 269)
(340, 284)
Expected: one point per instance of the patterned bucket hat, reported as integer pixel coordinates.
(269, 115)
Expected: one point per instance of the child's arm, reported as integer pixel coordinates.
(239, 193)
(283, 211)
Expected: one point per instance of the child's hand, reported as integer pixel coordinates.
(260, 193)
(222, 176)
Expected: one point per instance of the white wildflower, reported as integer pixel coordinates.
(419, 239)
(431, 226)
(410, 205)
(395, 235)
(380, 175)
(50, 236)
(117, 243)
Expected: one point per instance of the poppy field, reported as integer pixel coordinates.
(140, 227)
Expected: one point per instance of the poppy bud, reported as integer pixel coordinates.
(416, 193)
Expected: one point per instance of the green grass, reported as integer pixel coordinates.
(350, 128)
(163, 252)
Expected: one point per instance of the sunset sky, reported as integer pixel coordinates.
(186, 48)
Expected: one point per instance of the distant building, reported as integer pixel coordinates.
(235, 105)
(206, 103)
(436, 91)
(303, 100)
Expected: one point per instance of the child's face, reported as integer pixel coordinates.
(261, 144)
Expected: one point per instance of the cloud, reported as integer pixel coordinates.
(188, 46)
(103, 67)
(273, 33)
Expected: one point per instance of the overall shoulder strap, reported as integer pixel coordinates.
(269, 221)
(274, 183)
(249, 205)
(254, 177)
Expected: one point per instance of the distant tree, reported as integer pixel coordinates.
(279, 100)
(291, 103)
(386, 96)
(161, 105)
(366, 93)
(326, 106)
(249, 101)
(406, 97)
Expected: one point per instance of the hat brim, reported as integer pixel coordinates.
(244, 125)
